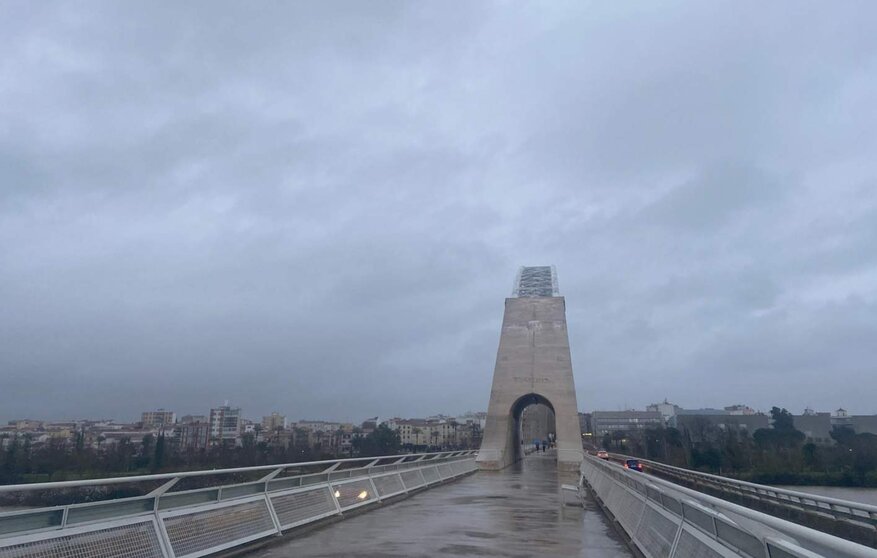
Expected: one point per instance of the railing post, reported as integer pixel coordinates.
(163, 538)
(271, 511)
(158, 492)
(271, 476)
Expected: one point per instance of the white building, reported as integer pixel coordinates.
(157, 419)
(273, 422)
(319, 425)
(744, 410)
(668, 410)
(225, 425)
(426, 432)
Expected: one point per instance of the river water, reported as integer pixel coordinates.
(862, 495)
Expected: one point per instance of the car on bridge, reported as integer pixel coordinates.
(633, 465)
(603, 454)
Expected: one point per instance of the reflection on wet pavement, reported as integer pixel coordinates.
(516, 512)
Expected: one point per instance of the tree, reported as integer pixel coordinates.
(843, 435)
(339, 440)
(158, 454)
(9, 474)
(654, 443)
(618, 437)
(782, 435)
(708, 457)
(736, 450)
(147, 444)
(121, 457)
(301, 444)
(380, 441)
(812, 459)
(856, 454)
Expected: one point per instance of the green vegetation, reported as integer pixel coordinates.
(778, 455)
(380, 441)
(58, 459)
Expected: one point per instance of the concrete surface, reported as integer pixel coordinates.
(533, 366)
(515, 512)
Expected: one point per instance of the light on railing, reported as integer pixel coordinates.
(337, 493)
(363, 495)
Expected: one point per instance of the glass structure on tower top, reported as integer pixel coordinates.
(536, 281)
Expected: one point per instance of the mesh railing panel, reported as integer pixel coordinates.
(297, 508)
(611, 495)
(629, 510)
(31, 521)
(699, 518)
(138, 540)
(777, 552)
(109, 510)
(207, 529)
(169, 501)
(352, 493)
(656, 533)
(671, 504)
(619, 502)
(390, 484)
(199, 531)
(412, 479)
(283, 483)
(445, 470)
(658, 526)
(609, 485)
(690, 546)
(740, 539)
(603, 485)
(430, 475)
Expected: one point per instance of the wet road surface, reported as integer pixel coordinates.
(516, 512)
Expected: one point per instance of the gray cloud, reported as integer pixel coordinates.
(319, 208)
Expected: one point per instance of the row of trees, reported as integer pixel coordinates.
(60, 459)
(778, 455)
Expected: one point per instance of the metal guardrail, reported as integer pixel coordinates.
(832, 507)
(663, 519)
(166, 522)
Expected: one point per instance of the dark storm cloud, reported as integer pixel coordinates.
(319, 208)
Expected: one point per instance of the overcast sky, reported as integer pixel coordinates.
(319, 207)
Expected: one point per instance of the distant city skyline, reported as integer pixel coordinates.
(133, 417)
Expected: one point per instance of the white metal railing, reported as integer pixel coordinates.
(169, 520)
(665, 519)
(845, 510)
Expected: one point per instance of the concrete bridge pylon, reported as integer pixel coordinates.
(533, 366)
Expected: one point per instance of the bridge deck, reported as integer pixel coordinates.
(516, 512)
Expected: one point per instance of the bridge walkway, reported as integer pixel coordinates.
(516, 512)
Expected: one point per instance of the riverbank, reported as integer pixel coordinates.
(861, 495)
(810, 478)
